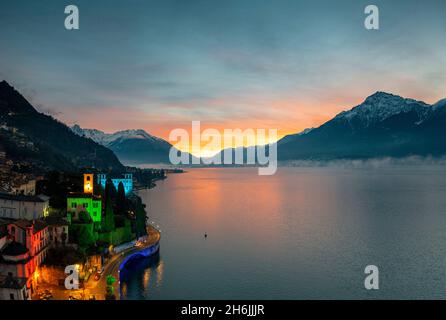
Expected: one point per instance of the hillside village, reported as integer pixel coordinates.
(62, 219)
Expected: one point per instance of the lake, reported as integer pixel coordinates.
(303, 233)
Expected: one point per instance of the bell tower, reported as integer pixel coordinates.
(88, 183)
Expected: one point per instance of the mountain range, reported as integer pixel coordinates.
(131, 146)
(384, 125)
(39, 140)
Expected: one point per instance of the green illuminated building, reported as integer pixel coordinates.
(83, 202)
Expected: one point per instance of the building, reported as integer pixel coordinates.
(25, 249)
(81, 202)
(126, 179)
(23, 207)
(33, 235)
(58, 231)
(85, 202)
(88, 183)
(3, 233)
(26, 188)
(13, 288)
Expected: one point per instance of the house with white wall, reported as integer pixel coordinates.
(23, 207)
(13, 288)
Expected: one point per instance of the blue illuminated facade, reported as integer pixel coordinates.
(127, 181)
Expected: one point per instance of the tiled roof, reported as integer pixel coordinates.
(3, 233)
(19, 197)
(4, 222)
(14, 249)
(56, 221)
(37, 225)
(83, 195)
(10, 282)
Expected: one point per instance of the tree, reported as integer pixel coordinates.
(112, 190)
(86, 237)
(108, 223)
(83, 235)
(84, 217)
(120, 200)
(110, 294)
(140, 219)
(109, 219)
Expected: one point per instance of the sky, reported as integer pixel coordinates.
(159, 65)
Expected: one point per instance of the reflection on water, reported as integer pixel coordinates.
(150, 268)
(303, 233)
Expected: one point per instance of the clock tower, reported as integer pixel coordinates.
(88, 183)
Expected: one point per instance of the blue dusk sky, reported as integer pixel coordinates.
(158, 65)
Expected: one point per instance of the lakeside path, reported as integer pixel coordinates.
(98, 288)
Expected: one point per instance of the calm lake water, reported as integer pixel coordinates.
(304, 233)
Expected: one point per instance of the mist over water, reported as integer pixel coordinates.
(385, 162)
(303, 233)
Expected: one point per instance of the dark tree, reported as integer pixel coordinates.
(108, 223)
(84, 217)
(140, 219)
(120, 200)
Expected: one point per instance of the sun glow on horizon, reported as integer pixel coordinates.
(216, 143)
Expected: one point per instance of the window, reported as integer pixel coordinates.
(73, 205)
(85, 205)
(11, 296)
(95, 204)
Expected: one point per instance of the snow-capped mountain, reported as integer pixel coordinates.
(383, 125)
(131, 146)
(107, 138)
(381, 106)
(29, 136)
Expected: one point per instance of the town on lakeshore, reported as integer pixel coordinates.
(208, 159)
(91, 222)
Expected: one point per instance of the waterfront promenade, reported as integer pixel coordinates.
(98, 288)
(111, 267)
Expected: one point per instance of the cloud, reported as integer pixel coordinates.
(287, 64)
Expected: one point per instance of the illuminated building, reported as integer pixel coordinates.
(88, 183)
(85, 202)
(24, 250)
(127, 181)
(81, 202)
